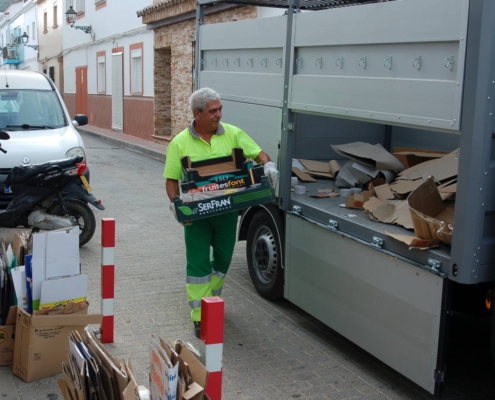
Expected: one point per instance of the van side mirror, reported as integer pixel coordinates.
(80, 119)
(4, 135)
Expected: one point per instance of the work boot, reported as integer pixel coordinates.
(197, 328)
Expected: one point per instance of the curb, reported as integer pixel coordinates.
(154, 154)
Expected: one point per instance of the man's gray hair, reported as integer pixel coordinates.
(201, 97)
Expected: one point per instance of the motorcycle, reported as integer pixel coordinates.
(47, 197)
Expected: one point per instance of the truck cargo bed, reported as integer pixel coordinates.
(356, 224)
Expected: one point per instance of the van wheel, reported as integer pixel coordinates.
(264, 257)
(83, 215)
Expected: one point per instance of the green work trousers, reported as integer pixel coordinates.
(206, 269)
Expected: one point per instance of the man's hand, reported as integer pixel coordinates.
(172, 209)
(271, 171)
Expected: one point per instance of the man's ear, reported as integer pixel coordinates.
(196, 113)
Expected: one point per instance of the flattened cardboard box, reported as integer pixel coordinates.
(411, 157)
(41, 341)
(432, 219)
(7, 338)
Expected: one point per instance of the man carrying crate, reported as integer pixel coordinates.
(207, 138)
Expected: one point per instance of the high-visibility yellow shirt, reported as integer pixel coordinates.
(189, 143)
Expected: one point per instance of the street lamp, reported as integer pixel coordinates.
(25, 39)
(71, 18)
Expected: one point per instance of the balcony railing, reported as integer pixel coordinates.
(10, 54)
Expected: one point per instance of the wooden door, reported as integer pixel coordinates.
(82, 90)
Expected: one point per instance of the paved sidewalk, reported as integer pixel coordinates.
(146, 147)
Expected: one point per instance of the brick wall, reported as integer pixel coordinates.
(138, 116)
(163, 94)
(100, 110)
(70, 103)
(178, 40)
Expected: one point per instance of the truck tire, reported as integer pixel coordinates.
(264, 257)
(84, 216)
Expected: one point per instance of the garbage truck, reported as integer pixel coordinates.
(414, 74)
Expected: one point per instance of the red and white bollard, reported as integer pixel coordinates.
(212, 322)
(107, 278)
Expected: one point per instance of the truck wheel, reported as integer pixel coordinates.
(264, 257)
(83, 215)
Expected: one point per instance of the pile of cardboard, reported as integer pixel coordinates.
(176, 372)
(367, 162)
(91, 372)
(44, 295)
(421, 198)
(413, 188)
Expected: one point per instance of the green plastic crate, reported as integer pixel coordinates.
(192, 211)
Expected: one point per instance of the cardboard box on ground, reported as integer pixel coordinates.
(40, 341)
(176, 372)
(46, 299)
(7, 338)
(420, 197)
(90, 371)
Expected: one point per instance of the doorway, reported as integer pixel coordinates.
(82, 90)
(163, 94)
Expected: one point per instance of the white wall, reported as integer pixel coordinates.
(50, 41)
(26, 19)
(115, 25)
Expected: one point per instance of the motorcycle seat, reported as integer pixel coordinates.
(21, 173)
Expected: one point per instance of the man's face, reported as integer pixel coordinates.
(210, 117)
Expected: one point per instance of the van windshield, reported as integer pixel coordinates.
(22, 109)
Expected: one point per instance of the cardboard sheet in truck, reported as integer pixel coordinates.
(432, 218)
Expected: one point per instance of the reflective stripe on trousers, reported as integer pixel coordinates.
(205, 276)
(197, 288)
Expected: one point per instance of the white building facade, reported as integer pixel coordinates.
(18, 20)
(50, 22)
(108, 65)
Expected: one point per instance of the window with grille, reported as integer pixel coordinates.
(101, 74)
(137, 71)
(34, 31)
(51, 73)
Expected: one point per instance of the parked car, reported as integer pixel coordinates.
(33, 113)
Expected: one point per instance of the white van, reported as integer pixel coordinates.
(33, 113)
